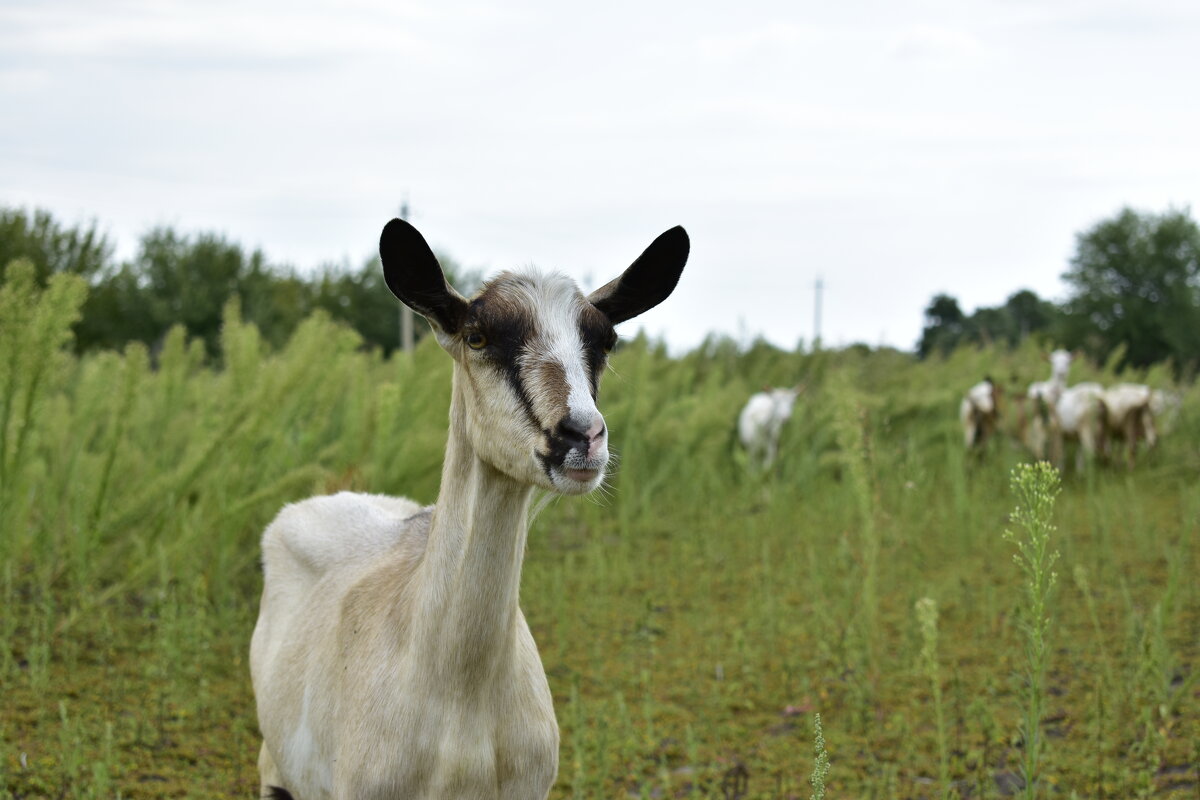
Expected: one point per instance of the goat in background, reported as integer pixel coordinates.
(761, 422)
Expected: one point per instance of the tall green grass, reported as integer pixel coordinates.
(692, 618)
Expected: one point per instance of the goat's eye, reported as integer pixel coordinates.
(609, 344)
(476, 341)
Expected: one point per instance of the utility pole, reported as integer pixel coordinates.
(406, 314)
(820, 285)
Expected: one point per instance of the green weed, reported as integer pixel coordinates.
(690, 618)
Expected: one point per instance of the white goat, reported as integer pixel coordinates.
(1080, 416)
(979, 413)
(761, 421)
(1042, 400)
(1130, 416)
(391, 658)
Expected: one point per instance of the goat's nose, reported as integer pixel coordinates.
(573, 433)
(580, 435)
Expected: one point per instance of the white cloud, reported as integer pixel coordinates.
(898, 149)
(933, 43)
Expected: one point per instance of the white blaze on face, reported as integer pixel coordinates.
(556, 372)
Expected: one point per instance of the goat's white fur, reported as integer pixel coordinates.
(391, 658)
(1080, 415)
(761, 422)
(1042, 401)
(979, 413)
(1130, 416)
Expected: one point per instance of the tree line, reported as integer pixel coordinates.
(1133, 285)
(174, 278)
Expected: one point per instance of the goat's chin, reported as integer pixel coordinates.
(572, 480)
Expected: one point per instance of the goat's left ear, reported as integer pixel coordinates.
(414, 275)
(648, 281)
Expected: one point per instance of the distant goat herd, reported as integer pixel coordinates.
(1052, 416)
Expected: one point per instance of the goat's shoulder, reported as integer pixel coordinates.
(329, 531)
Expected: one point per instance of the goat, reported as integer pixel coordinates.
(1129, 416)
(391, 658)
(761, 421)
(1080, 415)
(1042, 400)
(979, 413)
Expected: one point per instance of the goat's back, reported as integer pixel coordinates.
(332, 531)
(1080, 407)
(331, 540)
(1126, 398)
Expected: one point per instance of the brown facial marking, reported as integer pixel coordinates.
(502, 315)
(547, 384)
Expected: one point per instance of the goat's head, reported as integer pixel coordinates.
(783, 400)
(1060, 364)
(529, 351)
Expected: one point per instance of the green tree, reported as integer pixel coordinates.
(1029, 314)
(944, 326)
(947, 327)
(180, 279)
(1136, 282)
(52, 248)
(362, 299)
(177, 279)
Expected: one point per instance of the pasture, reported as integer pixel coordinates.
(692, 618)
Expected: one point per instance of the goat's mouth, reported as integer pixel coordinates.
(574, 461)
(581, 475)
(573, 472)
(575, 480)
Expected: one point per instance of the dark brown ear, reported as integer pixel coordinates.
(648, 281)
(413, 274)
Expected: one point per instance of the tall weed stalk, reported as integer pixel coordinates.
(1036, 486)
(927, 618)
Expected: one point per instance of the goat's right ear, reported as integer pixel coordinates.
(413, 274)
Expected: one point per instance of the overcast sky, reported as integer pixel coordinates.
(897, 149)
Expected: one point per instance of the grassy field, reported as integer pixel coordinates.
(693, 619)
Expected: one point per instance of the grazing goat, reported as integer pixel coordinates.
(979, 413)
(1042, 399)
(391, 658)
(762, 420)
(1129, 417)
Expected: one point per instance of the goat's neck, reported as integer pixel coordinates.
(470, 577)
